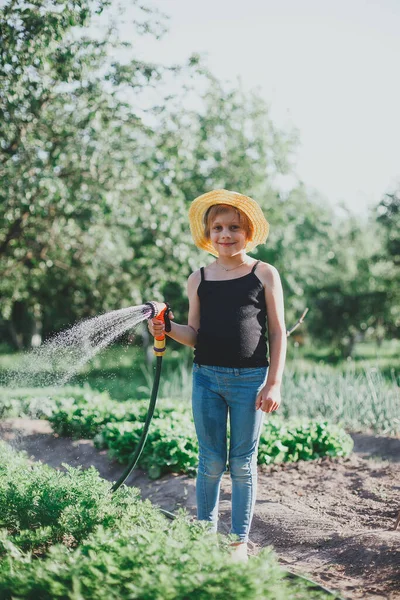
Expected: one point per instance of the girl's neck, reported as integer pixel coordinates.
(232, 262)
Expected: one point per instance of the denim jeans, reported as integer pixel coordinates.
(217, 391)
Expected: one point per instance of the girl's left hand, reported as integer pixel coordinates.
(269, 399)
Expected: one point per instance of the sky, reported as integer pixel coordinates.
(329, 68)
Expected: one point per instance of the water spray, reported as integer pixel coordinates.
(159, 311)
(69, 350)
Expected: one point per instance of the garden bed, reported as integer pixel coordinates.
(331, 518)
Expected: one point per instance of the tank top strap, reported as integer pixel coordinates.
(202, 273)
(255, 266)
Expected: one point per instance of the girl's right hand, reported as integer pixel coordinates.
(157, 327)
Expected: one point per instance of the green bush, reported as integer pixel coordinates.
(293, 440)
(114, 546)
(59, 506)
(171, 444)
(174, 564)
(86, 417)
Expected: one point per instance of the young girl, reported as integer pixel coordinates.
(231, 301)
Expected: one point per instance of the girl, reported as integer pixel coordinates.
(231, 301)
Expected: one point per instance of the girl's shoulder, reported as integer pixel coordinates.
(267, 274)
(195, 276)
(194, 280)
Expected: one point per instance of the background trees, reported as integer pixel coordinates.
(70, 157)
(97, 179)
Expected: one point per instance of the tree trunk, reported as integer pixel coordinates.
(22, 326)
(349, 349)
(16, 338)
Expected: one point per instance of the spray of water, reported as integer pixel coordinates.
(58, 359)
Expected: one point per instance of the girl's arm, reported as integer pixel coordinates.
(184, 334)
(269, 398)
(276, 327)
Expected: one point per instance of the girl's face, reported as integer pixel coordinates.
(226, 234)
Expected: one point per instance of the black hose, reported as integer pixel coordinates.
(142, 440)
(313, 584)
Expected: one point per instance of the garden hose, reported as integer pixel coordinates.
(313, 584)
(160, 311)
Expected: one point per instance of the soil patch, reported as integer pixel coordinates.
(329, 519)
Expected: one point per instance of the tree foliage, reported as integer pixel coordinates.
(70, 157)
(97, 180)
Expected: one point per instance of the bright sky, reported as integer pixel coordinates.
(328, 67)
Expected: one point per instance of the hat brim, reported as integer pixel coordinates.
(251, 209)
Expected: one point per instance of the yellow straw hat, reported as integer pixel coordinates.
(200, 205)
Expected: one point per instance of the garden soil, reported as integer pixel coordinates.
(331, 519)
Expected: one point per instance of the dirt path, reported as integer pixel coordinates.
(330, 519)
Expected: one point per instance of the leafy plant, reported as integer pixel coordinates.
(171, 445)
(42, 402)
(114, 546)
(60, 506)
(87, 417)
(295, 440)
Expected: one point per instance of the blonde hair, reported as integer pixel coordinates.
(219, 209)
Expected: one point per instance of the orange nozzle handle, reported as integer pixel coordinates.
(160, 309)
(161, 317)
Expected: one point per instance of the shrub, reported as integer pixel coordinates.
(85, 418)
(292, 440)
(61, 506)
(171, 444)
(115, 546)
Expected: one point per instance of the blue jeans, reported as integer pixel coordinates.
(217, 391)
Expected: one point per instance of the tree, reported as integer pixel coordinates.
(351, 299)
(69, 155)
(93, 212)
(387, 262)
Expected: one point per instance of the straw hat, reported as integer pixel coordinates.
(200, 205)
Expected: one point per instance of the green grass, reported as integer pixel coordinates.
(359, 400)
(120, 370)
(366, 354)
(361, 394)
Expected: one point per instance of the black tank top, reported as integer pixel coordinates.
(232, 322)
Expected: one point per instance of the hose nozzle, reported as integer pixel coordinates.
(160, 311)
